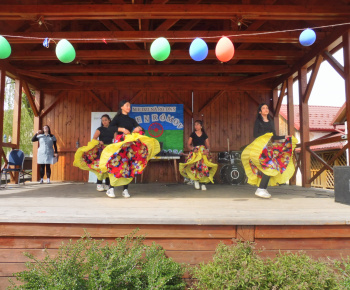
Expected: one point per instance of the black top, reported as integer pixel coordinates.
(198, 141)
(124, 121)
(261, 128)
(35, 138)
(107, 134)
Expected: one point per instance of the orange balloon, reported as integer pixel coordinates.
(224, 49)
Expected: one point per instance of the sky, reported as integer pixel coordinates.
(329, 87)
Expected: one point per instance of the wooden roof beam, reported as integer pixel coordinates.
(145, 54)
(189, 69)
(186, 35)
(159, 86)
(310, 85)
(47, 77)
(334, 63)
(30, 99)
(174, 11)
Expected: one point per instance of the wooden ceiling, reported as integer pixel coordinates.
(261, 61)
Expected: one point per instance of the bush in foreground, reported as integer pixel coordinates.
(240, 267)
(94, 264)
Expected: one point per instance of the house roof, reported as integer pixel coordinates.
(340, 117)
(327, 147)
(321, 118)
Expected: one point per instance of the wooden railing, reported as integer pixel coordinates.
(326, 164)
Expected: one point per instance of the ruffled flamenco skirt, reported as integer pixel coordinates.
(198, 166)
(127, 156)
(274, 159)
(88, 158)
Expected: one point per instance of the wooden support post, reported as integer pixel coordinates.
(17, 113)
(290, 106)
(276, 116)
(2, 100)
(290, 109)
(16, 124)
(37, 127)
(304, 128)
(346, 49)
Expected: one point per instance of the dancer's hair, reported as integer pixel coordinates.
(200, 122)
(49, 129)
(121, 104)
(105, 116)
(258, 116)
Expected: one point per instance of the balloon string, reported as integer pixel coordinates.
(179, 38)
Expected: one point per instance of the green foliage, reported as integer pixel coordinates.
(236, 267)
(94, 264)
(240, 267)
(27, 118)
(343, 268)
(299, 271)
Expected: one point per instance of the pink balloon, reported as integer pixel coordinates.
(224, 49)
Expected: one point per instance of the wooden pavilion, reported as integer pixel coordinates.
(112, 39)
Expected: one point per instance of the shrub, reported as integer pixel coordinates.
(233, 267)
(240, 267)
(94, 264)
(299, 271)
(343, 268)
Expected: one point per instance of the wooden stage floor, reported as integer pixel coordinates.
(176, 204)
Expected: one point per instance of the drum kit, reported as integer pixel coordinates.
(232, 172)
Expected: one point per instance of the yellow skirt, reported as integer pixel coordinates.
(198, 167)
(127, 157)
(274, 159)
(88, 158)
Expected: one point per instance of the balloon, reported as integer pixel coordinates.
(5, 48)
(65, 51)
(198, 49)
(160, 49)
(307, 37)
(224, 49)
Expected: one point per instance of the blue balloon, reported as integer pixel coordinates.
(198, 49)
(307, 37)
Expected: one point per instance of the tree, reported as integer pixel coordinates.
(27, 119)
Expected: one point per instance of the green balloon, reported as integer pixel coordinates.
(5, 48)
(160, 49)
(65, 51)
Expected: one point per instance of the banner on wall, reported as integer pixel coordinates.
(163, 122)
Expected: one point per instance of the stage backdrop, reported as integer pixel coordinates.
(163, 122)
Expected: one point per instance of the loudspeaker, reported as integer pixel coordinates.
(342, 184)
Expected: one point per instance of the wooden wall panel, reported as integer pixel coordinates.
(231, 116)
(190, 244)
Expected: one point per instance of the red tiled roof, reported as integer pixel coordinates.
(321, 117)
(329, 146)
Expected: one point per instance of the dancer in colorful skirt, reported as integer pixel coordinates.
(268, 161)
(198, 165)
(88, 157)
(129, 153)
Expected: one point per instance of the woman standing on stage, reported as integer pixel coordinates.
(46, 153)
(88, 157)
(198, 162)
(129, 153)
(267, 161)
